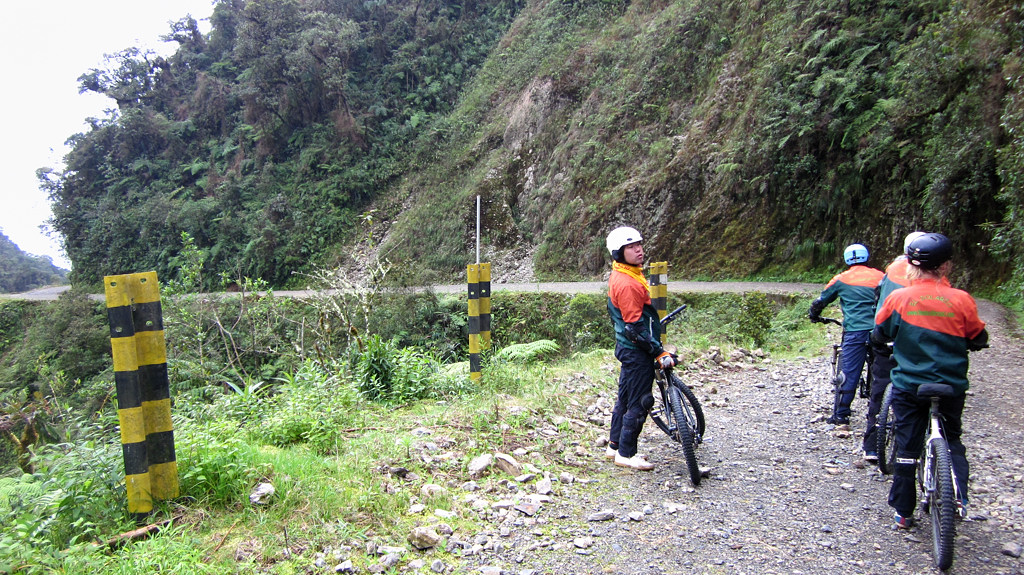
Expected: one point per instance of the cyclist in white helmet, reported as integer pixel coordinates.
(895, 277)
(637, 346)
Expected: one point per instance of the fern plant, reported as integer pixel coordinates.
(525, 352)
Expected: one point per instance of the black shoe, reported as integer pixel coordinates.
(835, 420)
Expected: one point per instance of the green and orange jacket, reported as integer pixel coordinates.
(855, 289)
(932, 326)
(895, 277)
(636, 321)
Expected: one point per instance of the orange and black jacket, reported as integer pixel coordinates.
(932, 326)
(629, 304)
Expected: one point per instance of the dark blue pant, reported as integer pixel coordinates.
(911, 425)
(881, 366)
(634, 400)
(855, 351)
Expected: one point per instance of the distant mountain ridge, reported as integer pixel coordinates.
(20, 271)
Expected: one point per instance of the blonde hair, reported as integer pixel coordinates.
(916, 273)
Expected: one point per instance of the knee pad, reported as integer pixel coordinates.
(647, 402)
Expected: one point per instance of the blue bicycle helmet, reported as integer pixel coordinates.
(855, 254)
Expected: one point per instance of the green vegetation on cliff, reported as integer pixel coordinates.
(744, 137)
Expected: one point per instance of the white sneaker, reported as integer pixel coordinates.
(635, 462)
(610, 453)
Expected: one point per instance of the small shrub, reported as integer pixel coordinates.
(755, 320)
(387, 373)
(311, 404)
(214, 469)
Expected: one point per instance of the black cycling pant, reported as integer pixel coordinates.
(629, 415)
(881, 366)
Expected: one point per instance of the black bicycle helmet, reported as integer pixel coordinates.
(929, 251)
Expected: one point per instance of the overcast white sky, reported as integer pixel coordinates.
(46, 45)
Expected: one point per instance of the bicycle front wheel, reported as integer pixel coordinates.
(692, 406)
(942, 507)
(885, 434)
(684, 433)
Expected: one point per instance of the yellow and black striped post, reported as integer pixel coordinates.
(473, 283)
(143, 388)
(485, 305)
(659, 289)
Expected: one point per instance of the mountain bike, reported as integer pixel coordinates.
(677, 411)
(937, 478)
(839, 378)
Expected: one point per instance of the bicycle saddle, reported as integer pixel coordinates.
(935, 390)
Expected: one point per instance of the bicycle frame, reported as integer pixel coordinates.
(662, 405)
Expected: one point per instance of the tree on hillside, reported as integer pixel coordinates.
(264, 139)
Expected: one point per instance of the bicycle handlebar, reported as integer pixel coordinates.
(831, 320)
(671, 316)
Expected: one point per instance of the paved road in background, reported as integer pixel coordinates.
(53, 292)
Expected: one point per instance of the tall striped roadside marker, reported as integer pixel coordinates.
(143, 389)
(485, 305)
(659, 289)
(473, 285)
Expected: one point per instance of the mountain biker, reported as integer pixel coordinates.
(855, 289)
(932, 326)
(895, 277)
(637, 346)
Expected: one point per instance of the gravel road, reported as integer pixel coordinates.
(786, 492)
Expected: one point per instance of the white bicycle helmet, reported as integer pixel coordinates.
(619, 237)
(910, 238)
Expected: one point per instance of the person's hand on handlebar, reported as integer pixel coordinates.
(666, 360)
(815, 318)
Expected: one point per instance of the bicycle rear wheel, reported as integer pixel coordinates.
(885, 434)
(942, 507)
(684, 432)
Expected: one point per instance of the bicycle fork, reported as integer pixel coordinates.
(927, 477)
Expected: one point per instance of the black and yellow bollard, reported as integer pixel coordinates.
(143, 389)
(485, 305)
(473, 283)
(659, 289)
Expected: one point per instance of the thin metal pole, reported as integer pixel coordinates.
(478, 229)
